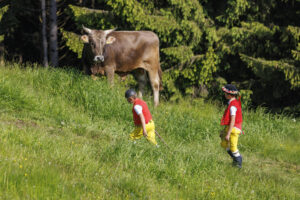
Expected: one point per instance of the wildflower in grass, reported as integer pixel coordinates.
(25, 159)
(20, 166)
(25, 174)
(212, 194)
(72, 142)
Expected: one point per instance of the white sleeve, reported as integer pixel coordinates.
(233, 110)
(138, 109)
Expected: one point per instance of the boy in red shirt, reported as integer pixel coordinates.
(142, 118)
(232, 120)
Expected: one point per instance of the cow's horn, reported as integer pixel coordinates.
(87, 30)
(109, 31)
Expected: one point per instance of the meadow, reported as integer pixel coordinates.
(64, 135)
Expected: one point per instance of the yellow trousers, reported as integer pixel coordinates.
(233, 141)
(138, 132)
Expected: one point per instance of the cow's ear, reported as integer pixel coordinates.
(85, 38)
(110, 40)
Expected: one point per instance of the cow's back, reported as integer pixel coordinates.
(135, 38)
(131, 49)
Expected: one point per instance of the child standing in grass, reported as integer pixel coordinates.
(232, 120)
(142, 118)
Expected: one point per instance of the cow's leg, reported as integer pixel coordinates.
(110, 72)
(141, 76)
(154, 79)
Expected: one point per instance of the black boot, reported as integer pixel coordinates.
(230, 153)
(232, 156)
(234, 161)
(237, 161)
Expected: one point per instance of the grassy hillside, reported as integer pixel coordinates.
(65, 136)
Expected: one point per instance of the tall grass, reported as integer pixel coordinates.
(65, 136)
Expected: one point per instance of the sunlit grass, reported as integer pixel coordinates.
(65, 136)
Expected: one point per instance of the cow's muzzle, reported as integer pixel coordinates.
(99, 58)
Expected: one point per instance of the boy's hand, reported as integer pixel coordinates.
(227, 137)
(145, 133)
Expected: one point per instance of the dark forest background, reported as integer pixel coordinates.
(204, 44)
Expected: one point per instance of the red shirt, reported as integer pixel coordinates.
(238, 118)
(146, 112)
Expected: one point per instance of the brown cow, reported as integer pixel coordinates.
(109, 51)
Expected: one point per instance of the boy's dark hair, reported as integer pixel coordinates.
(130, 93)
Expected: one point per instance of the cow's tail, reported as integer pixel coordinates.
(160, 78)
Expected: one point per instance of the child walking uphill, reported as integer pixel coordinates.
(142, 118)
(232, 120)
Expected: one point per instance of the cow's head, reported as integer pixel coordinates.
(97, 39)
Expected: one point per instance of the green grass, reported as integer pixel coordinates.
(65, 136)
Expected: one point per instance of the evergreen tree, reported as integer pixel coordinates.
(260, 49)
(20, 26)
(2, 50)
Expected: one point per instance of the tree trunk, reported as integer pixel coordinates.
(44, 34)
(53, 34)
(1, 53)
